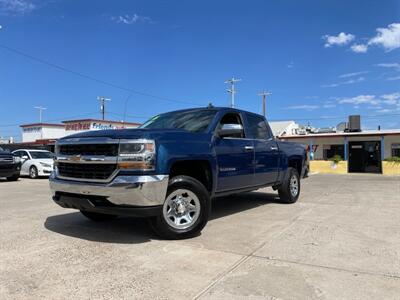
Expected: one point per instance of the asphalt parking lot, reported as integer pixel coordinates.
(341, 240)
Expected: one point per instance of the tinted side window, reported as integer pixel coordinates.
(257, 127)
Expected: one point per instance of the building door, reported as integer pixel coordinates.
(372, 152)
(365, 157)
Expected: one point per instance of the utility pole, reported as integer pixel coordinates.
(264, 95)
(40, 108)
(232, 90)
(102, 100)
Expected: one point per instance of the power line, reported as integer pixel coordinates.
(89, 77)
(129, 116)
(54, 120)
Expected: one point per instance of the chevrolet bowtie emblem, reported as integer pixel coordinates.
(75, 158)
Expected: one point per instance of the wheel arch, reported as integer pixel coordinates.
(200, 169)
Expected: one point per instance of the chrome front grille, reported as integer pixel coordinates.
(91, 159)
(89, 149)
(6, 159)
(86, 171)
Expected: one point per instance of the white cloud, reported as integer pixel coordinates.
(393, 78)
(389, 65)
(329, 105)
(352, 74)
(350, 81)
(130, 19)
(331, 85)
(384, 110)
(305, 107)
(290, 65)
(340, 40)
(359, 48)
(361, 99)
(16, 7)
(392, 100)
(388, 38)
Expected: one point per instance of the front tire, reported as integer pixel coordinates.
(97, 217)
(13, 178)
(289, 191)
(185, 211)
(33, 172)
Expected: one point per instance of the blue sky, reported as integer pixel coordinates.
(322, 60)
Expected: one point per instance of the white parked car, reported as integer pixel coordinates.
(35, 163)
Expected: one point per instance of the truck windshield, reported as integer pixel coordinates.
(41, 154)
(193, 121)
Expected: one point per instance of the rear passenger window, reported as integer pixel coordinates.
(257, 127)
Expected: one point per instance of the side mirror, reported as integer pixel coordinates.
(25, 157)
(230, 130)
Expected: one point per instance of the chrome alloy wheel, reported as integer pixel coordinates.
(294, 185)
(181, 209)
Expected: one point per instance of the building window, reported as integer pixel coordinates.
(396, 150)
(332, 150)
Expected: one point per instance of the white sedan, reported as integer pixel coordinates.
(35, 163)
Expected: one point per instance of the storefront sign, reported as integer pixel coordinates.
(83, 126)
(31, 129)
(77, 126)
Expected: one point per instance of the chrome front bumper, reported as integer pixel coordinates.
(146, 190)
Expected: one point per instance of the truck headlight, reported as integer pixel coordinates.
(17, 159)
(137, 155)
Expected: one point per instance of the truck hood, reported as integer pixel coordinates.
(135, 134)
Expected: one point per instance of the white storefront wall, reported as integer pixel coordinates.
(319, 142)
(40, 132)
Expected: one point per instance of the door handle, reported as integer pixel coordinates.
(274, 148)
(249, 148)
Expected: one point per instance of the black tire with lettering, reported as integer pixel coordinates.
(289, 190)
(185, 211)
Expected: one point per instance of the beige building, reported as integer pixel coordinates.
(44, 135)
(364, 151)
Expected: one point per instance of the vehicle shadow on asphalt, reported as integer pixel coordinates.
(125, 230)
(230, 205)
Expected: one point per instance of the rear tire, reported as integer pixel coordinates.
(13, 178)
(33, 172)
(185, 211)
(98, 217)
(289, 191)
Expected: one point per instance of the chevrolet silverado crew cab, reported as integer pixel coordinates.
(171, 167)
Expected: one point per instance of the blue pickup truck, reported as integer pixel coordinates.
(171, 168)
